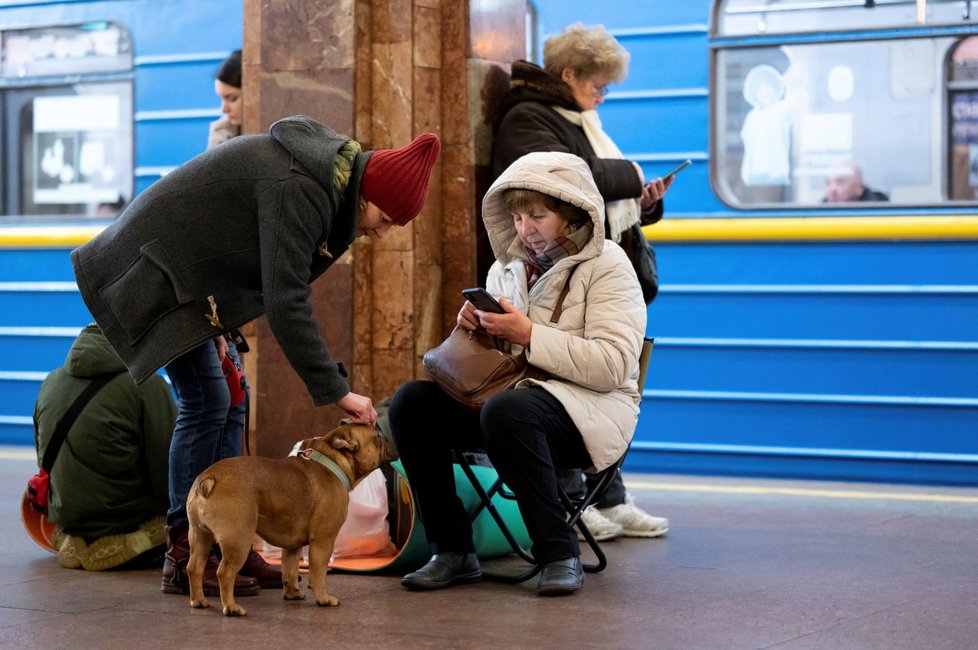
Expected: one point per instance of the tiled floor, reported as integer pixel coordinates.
(747, 564)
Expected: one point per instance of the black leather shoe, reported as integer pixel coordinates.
(561, 577)
(444, 569)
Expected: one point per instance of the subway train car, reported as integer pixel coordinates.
(805, 328)
(818, 310)
(98, 100)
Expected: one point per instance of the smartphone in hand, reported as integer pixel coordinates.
(483, 300)
(678, 168)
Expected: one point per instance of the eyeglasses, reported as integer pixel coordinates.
(600, 91)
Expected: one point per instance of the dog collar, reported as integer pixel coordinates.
(311, 454)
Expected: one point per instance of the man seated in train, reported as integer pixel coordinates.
(844, 184)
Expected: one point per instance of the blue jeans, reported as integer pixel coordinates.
(207, 428)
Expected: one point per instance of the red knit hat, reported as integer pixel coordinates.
(396, 180)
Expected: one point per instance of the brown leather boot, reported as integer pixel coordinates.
(268, 576)
(177, 555)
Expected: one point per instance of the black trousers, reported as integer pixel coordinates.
(527, 434)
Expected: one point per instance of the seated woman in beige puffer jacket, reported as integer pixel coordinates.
(545, 220)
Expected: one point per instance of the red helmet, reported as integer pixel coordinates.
(37, 525)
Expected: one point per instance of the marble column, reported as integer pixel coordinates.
(381, 72)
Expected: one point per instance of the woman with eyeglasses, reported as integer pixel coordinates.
(554, 108)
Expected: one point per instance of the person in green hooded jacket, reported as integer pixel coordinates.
(108, 485)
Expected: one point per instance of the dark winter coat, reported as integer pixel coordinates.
(529, 124)
(244, 227)
(111, 472)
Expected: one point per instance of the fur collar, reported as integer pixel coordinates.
(534, 83)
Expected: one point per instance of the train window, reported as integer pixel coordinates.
(747, 17)
(962, 86)
(820, 119)
(67, 137)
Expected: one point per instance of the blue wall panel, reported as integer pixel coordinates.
(186, 26)
(17, 434)
(43, 309)
(170, 142)
(35, 265)
(815, 316)
(685, 194)
(556, 14)
(913, 263)
(659, 125)
(155, 84)
(29, 353)
(19, 396)
(808, 425)
(906, 373)
(665, 61)
(814, 466)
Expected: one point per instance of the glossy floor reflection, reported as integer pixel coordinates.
(747, 564)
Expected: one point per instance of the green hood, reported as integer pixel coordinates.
(91, 355)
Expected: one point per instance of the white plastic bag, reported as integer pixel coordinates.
(365, 533)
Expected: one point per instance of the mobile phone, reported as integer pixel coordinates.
(483, 300)
(681, 166)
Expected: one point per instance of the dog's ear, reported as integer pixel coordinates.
(342, 439)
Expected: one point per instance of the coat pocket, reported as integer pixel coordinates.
(147, 291)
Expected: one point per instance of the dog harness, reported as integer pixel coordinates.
(311, 454)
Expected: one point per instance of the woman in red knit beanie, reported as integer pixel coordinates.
(240, 231)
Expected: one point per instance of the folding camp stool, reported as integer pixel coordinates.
(574, 507)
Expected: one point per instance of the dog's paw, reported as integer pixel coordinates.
(290, 594)
(234, 610)
(328, 601)
(199, 603)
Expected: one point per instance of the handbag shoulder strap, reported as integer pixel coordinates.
(66, 422)
(559, 307)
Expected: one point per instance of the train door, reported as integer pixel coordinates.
(66, 99)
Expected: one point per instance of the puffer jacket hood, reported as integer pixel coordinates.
(561, 175)
(591, 353)
(91, 355)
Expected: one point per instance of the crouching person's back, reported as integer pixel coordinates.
(108, 485)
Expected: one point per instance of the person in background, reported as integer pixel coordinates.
(108, 484)
(240, 231)
(845, 185)
(554, 108)
(545, 220)
(227, 86)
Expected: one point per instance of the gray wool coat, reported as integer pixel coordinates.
(239, 230)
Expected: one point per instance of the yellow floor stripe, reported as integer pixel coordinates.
(800, 492)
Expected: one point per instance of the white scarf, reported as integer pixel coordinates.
(623, 213)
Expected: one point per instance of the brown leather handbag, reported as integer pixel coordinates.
(470, 367)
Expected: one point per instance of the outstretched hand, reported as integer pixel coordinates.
(359, 408)
(655, 190)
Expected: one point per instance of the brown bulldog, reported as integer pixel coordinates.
(289, 502)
